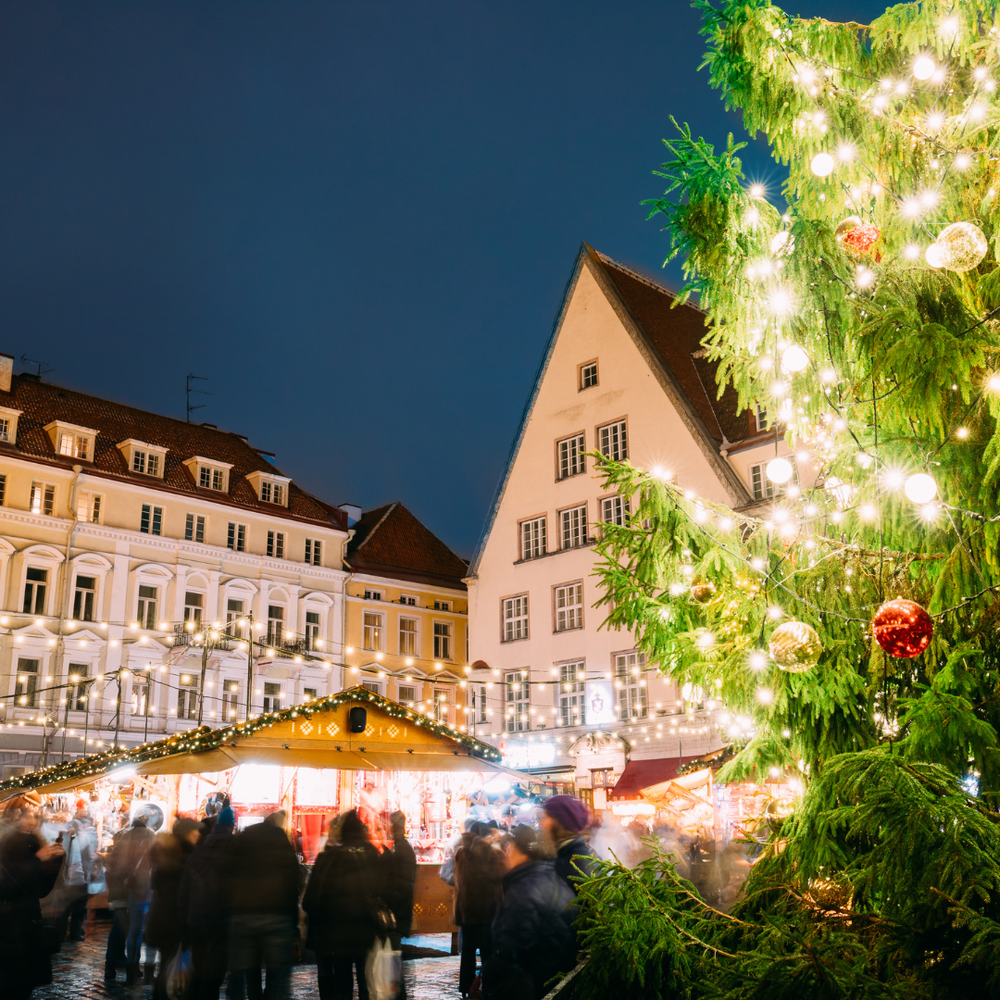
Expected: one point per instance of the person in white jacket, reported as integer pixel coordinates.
(80, 844)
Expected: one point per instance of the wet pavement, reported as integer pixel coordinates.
(79, 969)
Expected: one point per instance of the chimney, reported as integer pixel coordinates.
(6, 371)
(352, 511)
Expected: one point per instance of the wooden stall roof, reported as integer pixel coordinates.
(316, 734)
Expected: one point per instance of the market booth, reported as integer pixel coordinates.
(353, 749)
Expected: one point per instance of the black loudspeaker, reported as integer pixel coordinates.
(359, 719)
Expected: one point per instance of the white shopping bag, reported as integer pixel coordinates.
(383, 970)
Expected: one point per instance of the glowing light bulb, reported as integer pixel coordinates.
(779, 470)
(794, 359)
(911, 252)
(920, 488)
(757, 661)
(962, 433)
(822, 165)
(933, 256)
(756, 190)
(923, 68)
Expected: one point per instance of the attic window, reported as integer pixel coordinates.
(144, 458)
(71, 440)
(209, 474)
(588, 375)
(270, 488)
(8, 425)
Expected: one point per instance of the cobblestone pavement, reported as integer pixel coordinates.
(78, 975)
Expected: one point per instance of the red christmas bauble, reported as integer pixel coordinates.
(861, 241)
(902, 628)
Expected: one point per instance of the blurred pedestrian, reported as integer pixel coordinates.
(533, 938)
(128, 896)
(264, 887)
(344, 890)
(564, 820)
(479, 868)
(205, 905)
(166, 926)
(80, 844)
(401, 879)
(28, 871)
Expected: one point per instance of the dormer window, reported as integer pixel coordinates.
(270, 488)
(8, 425)
(209, 474)
(72, 440)
(144, 458)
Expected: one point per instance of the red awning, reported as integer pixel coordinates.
(640, 774)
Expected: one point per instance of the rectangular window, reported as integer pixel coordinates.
(374, 686)
(442, 640)
(516, 686)
(204, 477)
(373, 595)
(571, 461)
(3, 490)
(146, 607)
(88, 507)
(36, 583)
(372, 631)
(309, 694)
(193, 606)
(630, 681)
(442, 605)
(187, 697)
(74, 446)
(275, 625)
(569, 606)
(408, 599)
(574, 527)
(477, 702)
(760, 418)
(27, 682)
(762, 487)
(76, 692)
(314, 549)
(151, 522)
(407, 636)
(230, 700)
(141, 686)
(312, 630)
(4, 429)
(139, 461)
(612, 441)
(407, 695)
(276, 544)
(234, 612)
(533, 538)
(571, 702)
(440, 707)
(194, 528)
(272, 697)
(84, 597)
(265, 491)
(43, 499)
(237, 537)
(588, 375)
(515, 618)
(614, 510)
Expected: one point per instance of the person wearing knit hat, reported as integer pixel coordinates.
(226, 818)
(564, 820)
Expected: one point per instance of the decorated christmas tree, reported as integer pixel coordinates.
(850, 627)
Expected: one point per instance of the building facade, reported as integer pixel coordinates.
(623, 374)
(137, 555)
(407, 615)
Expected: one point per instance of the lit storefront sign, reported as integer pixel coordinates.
(600, 697)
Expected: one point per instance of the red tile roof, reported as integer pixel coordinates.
(41, 403)
(390, 541)
(676, 333)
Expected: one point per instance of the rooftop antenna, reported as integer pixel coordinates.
(188, 392)
(41, 370)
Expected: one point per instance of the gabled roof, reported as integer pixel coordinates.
(669, 337)
(41, 403)
(390, 541)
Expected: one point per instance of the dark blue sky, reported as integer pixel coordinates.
(356, 219)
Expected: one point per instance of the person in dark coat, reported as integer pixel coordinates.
(401, 880)
(204, 903)
(347, 877)
(264, 890)
(128, 896)
(533, 938)
(28, 871)
(479, 867)
(80, 844)
(564, 820)
(166, 926)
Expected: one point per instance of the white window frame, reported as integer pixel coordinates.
(154, 525)
(615, 509)
(272, 701)
(612, 440)
(275, 544)
(72, 440)
(406, 694)
(572, 703)
(517, 696)
(314, 552)
(217, 478)
(131, 447)
(25, 689)
(270, 488)
(77, 590)
(514, 618)
(477, 702)
(567, 599)
(373, 632)
(313, 631)
(573, 525)
(42, 499)
(533, 537)
(582, 371)
(630, 685)
(571, 456)
(413, 635)
(89, 507)
(447, 637)
(276, 625)
(761, 488)
(236, 536)
(441, 706)
(195, 525)
(230, 698)
(11, 416)
(760, 418)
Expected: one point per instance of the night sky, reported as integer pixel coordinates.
(356, 220)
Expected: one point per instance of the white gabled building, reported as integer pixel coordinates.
(623, 373)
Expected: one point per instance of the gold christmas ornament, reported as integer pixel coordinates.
(961, 246)
(702, 591)
(830, 892)
(795, 646)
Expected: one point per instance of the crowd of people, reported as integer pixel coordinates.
(214, 903)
